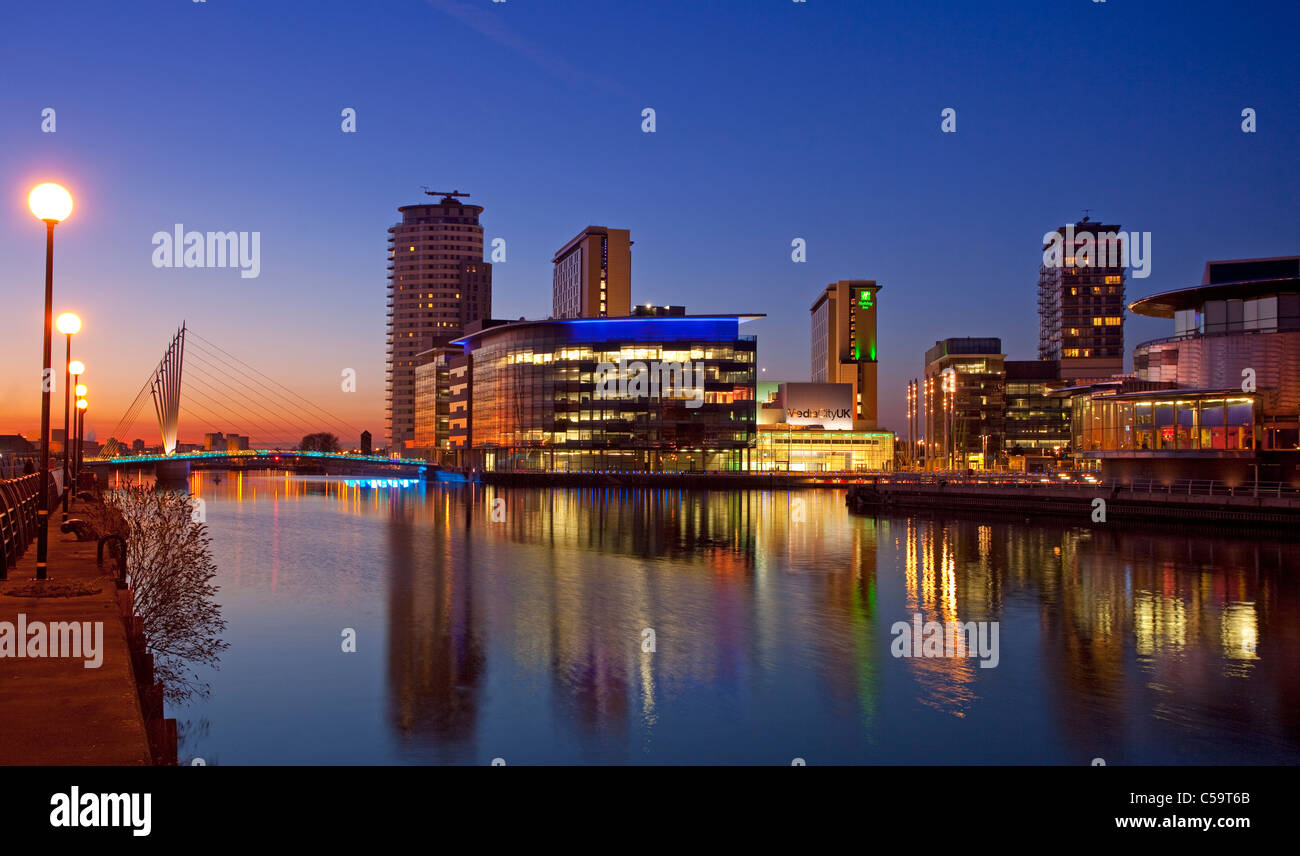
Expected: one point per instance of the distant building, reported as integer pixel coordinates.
(236, 443)
(15, 445)
(137, 446)
(1037, 424)
(1081, 302)
(965, 391)
(592, 275)
(214, 442)
(366, 446)
(438, 283)
(844, 342)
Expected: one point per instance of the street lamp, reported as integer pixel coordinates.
(81, 423)
(68, 323)
(79, 392)
(51, 204)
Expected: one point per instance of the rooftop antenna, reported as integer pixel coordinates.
(429, 192)
(1086, 212)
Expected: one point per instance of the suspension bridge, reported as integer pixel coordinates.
(226, 395)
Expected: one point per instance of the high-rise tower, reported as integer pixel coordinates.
(844, 342)
(437, 284)
(1081, 300)
(592, 277)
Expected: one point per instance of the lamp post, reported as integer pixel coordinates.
(81, 423)
(76, 430)
(68, 324)
(51, 204)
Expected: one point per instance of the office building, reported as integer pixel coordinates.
(631, 393)
(1081, 301)
(808, 427)
(965, 383)
(437, 284)
(1037, 423)
(844, 343)
(592, 275)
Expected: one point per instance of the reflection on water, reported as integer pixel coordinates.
(521, 637)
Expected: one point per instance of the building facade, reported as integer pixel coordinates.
(1081, 300)
(438, 283)
(965, 380)
(1037, 423)
(844, 343)
(592, 275)
(652, 393)
(1230, 405)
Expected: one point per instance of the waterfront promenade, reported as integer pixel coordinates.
(55, 710)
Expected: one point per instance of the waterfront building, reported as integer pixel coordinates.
(1081, 302)
(809, 427)
(592, 275)
(438, 283)
(433, 401)
(1037, 424)
(844, 342)
(808, 448)
(1229, 407)
(631, 393)
(965, 381)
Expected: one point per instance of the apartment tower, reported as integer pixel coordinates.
(437, 284)
(1081, 301)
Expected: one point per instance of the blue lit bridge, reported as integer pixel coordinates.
(227, 395)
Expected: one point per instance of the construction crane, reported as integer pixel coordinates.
(443, 194)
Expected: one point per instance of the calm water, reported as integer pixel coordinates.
(522, 639)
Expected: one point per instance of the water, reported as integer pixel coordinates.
(521, 639)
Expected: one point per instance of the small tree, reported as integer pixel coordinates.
(321, 442)
(170, 564)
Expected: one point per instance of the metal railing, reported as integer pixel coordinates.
(1092, 484)
(19, 507)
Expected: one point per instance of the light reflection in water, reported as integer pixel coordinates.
(522, 638)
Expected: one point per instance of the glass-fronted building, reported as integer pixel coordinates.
(634, 393)
(1229, 409)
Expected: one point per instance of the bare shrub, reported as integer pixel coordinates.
(170, 564)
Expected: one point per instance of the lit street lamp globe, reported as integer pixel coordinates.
(76, 367)
(81, 404)
(68, 323)
(81, 388)
(50, 202)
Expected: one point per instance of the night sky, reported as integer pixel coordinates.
(776, 120)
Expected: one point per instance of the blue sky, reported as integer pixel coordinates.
(775, 120)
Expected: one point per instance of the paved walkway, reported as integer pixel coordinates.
(55, 710)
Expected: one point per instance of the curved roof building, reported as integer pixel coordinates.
(1241, 325)
(1223, 400)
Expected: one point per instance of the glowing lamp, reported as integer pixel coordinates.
(76, 367)
(68, 323)
(81, 402)
(50, 202)
(81, 389)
